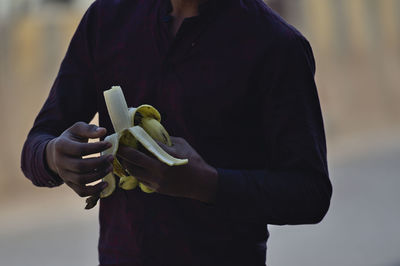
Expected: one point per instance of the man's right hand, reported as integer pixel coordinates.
(64, 157)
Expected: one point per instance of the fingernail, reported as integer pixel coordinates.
(108, 144)
(104, 185)
(99, 129)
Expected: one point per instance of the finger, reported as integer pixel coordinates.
(142, 175)
(83, 179)
(78, 149)
(138, 172)
(176, 140)
(85, 191)
(136, 157)
(91, 202)
(88, 165)
(171, 150)
(83, 131)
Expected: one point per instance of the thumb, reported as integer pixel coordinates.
(169, 149)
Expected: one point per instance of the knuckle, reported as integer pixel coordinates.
(58, 144)
(76, 125)
(92, 127)
(173, 151)
(78, 128)
(80, 124)
(176, 140)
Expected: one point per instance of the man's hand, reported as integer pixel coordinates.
(195, 180)
(64, 157)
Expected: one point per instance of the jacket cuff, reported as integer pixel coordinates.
(45, 176)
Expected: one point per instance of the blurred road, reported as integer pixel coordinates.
(43, 233)
(361, 228)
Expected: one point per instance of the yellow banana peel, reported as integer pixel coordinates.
(134, 127)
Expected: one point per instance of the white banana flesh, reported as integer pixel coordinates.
(133, 126)
(117, 109)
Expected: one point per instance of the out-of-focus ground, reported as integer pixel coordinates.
(356, 45)
(361, 228)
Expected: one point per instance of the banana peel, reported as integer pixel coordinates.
(137, 128)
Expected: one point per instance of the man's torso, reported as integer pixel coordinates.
(205, 83)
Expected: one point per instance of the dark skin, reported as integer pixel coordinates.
(64, 157)
(195, 180)
(182, 9)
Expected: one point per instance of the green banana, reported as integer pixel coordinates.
(137, 128)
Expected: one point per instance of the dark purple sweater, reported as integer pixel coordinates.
(237, 82)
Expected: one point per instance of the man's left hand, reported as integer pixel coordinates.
(196, 180)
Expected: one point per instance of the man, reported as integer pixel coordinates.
(235, 83)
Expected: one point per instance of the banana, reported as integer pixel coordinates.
(145, 188)
(137, 128)
(128, 182)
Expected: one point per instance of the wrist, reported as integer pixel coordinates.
(49, 157)
(206, 186)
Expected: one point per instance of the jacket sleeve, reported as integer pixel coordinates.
(71, 99)
(294, 187)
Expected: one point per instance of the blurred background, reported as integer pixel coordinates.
(357, 49)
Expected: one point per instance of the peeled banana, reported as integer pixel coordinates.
(137, 128)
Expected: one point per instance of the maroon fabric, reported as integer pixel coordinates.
(237, 82)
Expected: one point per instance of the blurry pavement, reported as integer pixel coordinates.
(52, 229)
(361, 228)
